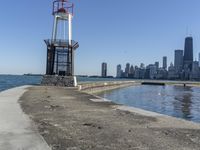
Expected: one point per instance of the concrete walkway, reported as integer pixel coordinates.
(17, 132)
(71, 120)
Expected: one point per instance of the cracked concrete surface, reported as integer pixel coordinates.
(69, 120)
(17, 131)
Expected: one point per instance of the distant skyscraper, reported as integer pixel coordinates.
(199, 59)
(104, 70)
(136, 72)
(131, 74)
(119, 71)
(142, 66)
(127, 70)
(188, 53)
(157, 65)
(165, 62)
(152, 71)
(178, 60)
(172, 72)
(195, 75)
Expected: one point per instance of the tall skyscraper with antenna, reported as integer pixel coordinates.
(188, 53)
(188, 57)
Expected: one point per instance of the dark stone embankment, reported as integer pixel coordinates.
(73, 120)
(53, 80)
(153, 83)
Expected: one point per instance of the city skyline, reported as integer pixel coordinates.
(183, 68)
(148, 32)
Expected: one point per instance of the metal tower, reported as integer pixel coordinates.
(60, 51)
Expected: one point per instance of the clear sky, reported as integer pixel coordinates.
(114, 31)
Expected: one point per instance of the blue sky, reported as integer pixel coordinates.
(113, 31)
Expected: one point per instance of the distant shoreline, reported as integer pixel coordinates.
(32, 74)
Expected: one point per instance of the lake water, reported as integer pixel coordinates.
(10, 81)
(177, 101)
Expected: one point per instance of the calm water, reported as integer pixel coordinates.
(177, 101)
(10, 81)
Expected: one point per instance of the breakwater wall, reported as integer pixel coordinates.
(100, 86)
(95, 87)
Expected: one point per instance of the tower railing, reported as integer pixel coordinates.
(61, 43)
(63, 6)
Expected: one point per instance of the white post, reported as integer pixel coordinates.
(70, 42)
(75, 82)
(70, 29)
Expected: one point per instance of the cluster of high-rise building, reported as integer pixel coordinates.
(184, 67)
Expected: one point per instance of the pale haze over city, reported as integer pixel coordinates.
(112, 31)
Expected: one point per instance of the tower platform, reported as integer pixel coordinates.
(55, 80)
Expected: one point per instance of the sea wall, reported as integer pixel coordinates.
(95, 87)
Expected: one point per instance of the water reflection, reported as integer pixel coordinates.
(177, 101)
(183, 101)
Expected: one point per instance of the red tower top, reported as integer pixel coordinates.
(63, 6)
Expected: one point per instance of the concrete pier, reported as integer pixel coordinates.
(17, 131)
(73, 120)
